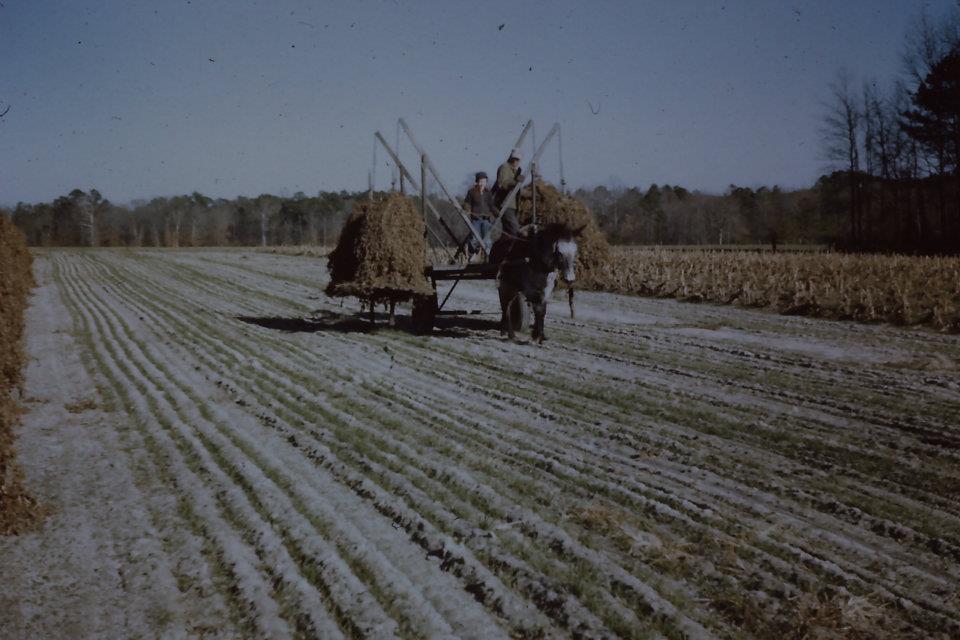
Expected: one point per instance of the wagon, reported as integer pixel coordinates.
(426, 308)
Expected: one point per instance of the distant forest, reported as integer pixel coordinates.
(654, 215)
(894, 186)
(658, 214)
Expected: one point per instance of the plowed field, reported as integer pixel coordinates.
(228, 453)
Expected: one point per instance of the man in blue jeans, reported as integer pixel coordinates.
(479, 204)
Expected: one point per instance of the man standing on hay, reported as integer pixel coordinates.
(479, 203)
(508, 175)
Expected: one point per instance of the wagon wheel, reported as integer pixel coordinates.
(519, 314)
(424, 313)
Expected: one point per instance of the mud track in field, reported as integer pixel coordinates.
(656, 469)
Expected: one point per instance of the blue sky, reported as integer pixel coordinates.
(140, 99)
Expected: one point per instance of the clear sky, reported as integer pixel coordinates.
(240, 97)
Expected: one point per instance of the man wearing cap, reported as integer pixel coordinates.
(508, 175)
(479, 203)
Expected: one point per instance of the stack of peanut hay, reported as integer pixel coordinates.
(381, 253)
(593, 252)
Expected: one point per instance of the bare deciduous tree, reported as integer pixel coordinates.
(267, 208)
(841, 141)
(927, 42)
(88, 205)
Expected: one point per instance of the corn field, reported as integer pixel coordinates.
(902, 290)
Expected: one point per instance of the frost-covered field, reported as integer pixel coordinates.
(656, 469)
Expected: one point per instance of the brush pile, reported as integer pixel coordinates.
(381, 254)
(593, 252)
(17, 508)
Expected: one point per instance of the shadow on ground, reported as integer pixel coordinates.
(447, 326)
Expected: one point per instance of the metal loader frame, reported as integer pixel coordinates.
(426, 308)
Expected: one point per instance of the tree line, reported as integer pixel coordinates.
(896, 149)
(671, 215)
(88, 219)
(654, 215)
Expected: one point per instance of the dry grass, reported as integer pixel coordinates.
(623, 529)
(18, 510)
(845, 616)
(313, 251)
(816, 614)
(808, 616)
(902, 290)
(80, 406)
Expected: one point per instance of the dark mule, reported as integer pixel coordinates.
(528, 272)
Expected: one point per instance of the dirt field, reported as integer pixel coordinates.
(656, 469)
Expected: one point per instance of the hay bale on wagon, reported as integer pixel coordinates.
(593, 253)
(381, 253)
